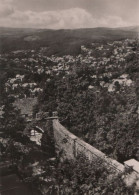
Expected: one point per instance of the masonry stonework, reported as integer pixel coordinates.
(70, 146)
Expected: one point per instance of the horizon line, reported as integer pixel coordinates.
(134, 26)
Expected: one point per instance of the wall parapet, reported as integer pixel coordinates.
(71, 146)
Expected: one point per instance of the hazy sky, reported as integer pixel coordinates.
(57, 14)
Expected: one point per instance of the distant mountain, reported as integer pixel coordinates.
(5, 31)
(130, 28)
(59, 42)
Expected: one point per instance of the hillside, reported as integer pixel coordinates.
(95, 92)
(59, 42)
(97, 100)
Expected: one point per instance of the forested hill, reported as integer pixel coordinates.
(95, 90)
(59, 42)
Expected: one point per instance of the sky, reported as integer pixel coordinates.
(68, 14)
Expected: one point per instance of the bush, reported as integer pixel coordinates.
(84, 177)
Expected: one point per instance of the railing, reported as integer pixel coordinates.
(86, 147)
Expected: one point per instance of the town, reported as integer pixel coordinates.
(34, 84)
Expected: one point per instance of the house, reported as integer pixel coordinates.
(25, 85)
(111, 87)
(20, 77)
(12, 80)
(35, 136)
(36, 90)
(90, 87)
(15, 86)
(123, 81)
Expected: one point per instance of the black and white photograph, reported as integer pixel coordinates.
(69, 97)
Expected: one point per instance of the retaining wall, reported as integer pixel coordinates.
(70, 145)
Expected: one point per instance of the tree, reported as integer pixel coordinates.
(117, 85)
(47, 140)
(84, 177)
(12, 121)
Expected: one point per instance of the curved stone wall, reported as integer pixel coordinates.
(70, 146)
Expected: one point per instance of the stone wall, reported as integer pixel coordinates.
(64, 140)
(70, 146)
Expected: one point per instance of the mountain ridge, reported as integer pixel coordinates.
(59, 42)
